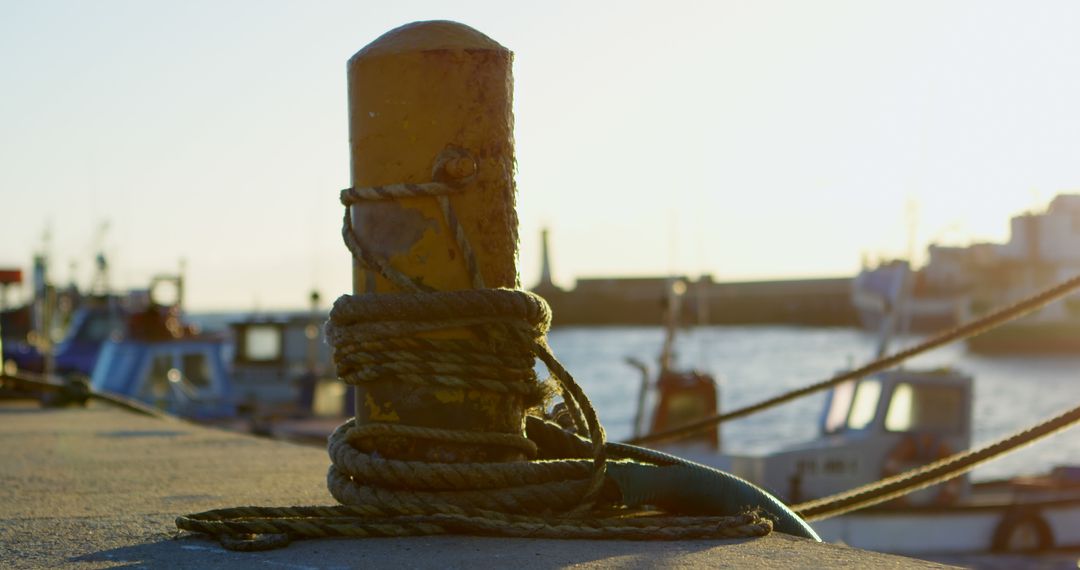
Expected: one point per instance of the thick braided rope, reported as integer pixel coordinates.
(276, 527)
(408, 498)
(440, 191)
(479, 309)
(930, 474)
(514, 323)
(961, 332)
(450, 436)
(32, 382)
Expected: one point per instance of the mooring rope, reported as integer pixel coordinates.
(358, 322)
(932, 473)
(564, 493)
(77, 392)
(410, 498)
(961, 332)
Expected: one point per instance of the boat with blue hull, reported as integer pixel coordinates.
(183, 376)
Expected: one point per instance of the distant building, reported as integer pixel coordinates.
(1043, 248)
(1051, 237)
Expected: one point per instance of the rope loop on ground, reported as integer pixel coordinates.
(535, 499)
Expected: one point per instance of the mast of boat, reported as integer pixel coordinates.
(896, 310)
(905, 302)
(672, 309)
(44, 304)
(672, 304)
(672, 300)
(891, 310)
(311, 331)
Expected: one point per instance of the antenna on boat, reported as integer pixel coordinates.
(907, 284)
(311, 331)
(99, 283)
(672, 309)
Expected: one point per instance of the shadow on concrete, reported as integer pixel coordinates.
(141, 433)
(189, 551)
(28, 409)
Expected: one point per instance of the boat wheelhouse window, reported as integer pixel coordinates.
(864, 404)
(156, 386)
(97, 328)
(925, 407)
(262, 343)
(196, 369)
(839, 404)
(684, 408)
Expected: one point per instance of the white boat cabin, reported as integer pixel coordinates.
(282, 366)
(186, 377)
(870, 429)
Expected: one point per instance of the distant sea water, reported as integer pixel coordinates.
(753, 363)
(756, 362)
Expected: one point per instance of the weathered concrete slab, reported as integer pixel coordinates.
(100, 487)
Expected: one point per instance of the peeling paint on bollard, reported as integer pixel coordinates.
(417, 93)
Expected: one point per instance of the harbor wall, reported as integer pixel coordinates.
(643, 300)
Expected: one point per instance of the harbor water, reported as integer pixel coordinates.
(756, 362)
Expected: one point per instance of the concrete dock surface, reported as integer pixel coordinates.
(100, 487)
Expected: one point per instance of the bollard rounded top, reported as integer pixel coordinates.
(428, 36)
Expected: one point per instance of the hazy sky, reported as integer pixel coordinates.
(746, 139)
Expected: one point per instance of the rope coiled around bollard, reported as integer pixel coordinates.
(512, 324)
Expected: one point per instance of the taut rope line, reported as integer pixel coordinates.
(961, 332)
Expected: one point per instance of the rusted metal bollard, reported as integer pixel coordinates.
(429, 100)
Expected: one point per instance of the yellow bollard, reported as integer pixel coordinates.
(432, 100)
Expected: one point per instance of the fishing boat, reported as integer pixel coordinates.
(897, 420)
(679, 396)
(961, 282)
(268, 373)
(892, 290)
(284, 378)
(1043, 248)
(883, 425)
(62, 330)
(167, 365)
(131, 345)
